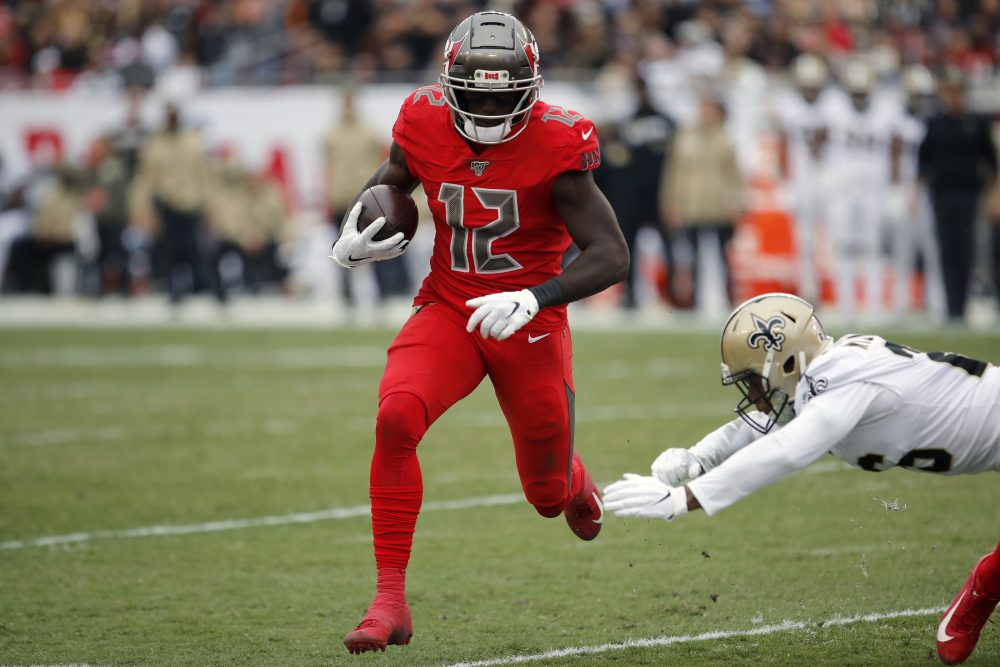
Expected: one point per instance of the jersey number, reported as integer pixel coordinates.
(564, 116)
(502, 201)
(971, 366)
(927, 460)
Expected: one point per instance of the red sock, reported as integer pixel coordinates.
(396, 487)
(394, 518)
(391, 581)
(988, 575)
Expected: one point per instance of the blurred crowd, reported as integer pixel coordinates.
(879, 202)
(110, 43)
(143, 210)
(855, 112)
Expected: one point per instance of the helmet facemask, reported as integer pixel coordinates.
(760, 398)
(489, 128)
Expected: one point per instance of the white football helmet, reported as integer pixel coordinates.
(918, 80)
(809, 71)
(767, 343)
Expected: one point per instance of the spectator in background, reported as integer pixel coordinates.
(744, 83)
(127, 141)
(634, 153)
(228, 215)
(137, 239)
(957, 160)
(266, 229)
(702, 191)
(52, 236)
(107, 199)
(246, 214)
(352, 151)
(174, 177)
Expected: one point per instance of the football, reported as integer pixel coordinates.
(399, 209)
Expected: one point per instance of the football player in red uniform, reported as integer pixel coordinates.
(508, 181)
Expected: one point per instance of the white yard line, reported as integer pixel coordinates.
(237, 524)
(333, 513)
(653, 642)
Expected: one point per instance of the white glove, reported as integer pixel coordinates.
(500, 315)
(355, 248)
(676, 467)
(645, 497)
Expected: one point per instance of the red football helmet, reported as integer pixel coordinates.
(490, 53)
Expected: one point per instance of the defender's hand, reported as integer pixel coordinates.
(355, 248)
(500, 315)
(645, 497)
(676, 467)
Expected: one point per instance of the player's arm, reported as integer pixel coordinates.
(676, 466)
(829, 418)
(591, 223)
(355, 248)
(603, 261)
(393, 171)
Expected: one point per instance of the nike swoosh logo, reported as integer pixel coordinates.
(352, 258)
(597, 499)
(942, 635)
(535, 339)
(586, 135)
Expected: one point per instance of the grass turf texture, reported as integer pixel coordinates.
(113, 430)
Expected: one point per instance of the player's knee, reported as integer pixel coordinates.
(547, 497)
(402, 418)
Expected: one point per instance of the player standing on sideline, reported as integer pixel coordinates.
(858, 151)
(802, 131)
(869, 402)
(507, 179)
(909, 209)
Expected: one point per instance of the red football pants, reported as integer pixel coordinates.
(432, 364)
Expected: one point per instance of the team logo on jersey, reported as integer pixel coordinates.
(767, 333)
(813, 387)
(478, 166)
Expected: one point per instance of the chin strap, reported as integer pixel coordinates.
(487, 134)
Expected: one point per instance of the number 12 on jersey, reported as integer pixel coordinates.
(504, 202)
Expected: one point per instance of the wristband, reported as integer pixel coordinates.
(549, 293)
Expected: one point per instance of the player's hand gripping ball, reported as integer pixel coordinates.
(379, 227)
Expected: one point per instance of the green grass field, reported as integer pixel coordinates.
(105, 434)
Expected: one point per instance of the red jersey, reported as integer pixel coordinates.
(496, 226)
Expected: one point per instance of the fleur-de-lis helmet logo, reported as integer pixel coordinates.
(767, 333)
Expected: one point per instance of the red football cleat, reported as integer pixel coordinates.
(387, 621)
(964, 619)
(585, 511)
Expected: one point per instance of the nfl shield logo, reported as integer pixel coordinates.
(478, 167)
